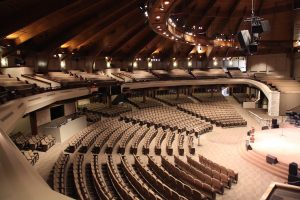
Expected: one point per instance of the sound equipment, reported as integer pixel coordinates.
(293, 169)
(244, 38)
(264, 128)
(275, 125)
(252, 48)
(274, 121)
(260, 26)
(294, 180)
(271, 159)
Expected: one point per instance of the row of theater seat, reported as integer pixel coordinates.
(138, 102)
(189, 179)
(31, 156)
(161, 134)
(173, 99)
(105, 110)
(34, 142)
(219, 113)
(59, 170)
(161, 187)
(151, 134)
(174, 182)
(168, 118)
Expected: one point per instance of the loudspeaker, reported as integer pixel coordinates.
(275, 125)
(294, 180)
(244, 38)
(260, 26)
(293, 169)
(252, 48)
(271, 159)
(274, 121)
(265, 26)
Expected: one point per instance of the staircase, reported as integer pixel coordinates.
(280, 169)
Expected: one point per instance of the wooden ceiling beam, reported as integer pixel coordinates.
(114, 13)
(232, 9)
(146, 50)
(119, 31)
(18, 14)
(64, 15)
(139, 45)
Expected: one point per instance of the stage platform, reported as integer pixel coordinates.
(284, 143)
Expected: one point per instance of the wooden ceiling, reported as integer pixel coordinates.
(118, 28)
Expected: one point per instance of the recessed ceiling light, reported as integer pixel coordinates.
(157, 17)
(166, 2)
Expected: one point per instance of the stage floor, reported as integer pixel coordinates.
(284, 143)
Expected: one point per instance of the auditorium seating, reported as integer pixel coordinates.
(128, 134)
(64, 79)
(159, 185)
(59, 169)
(188, 179)
(151, 134)
(224, 178)
(170, 139)
(174, 74)
(98, 79)
(99, 182)
(191, 145)
(31, 156)
(181, 143)
(105, 110)
(216, 111)
(173, 182)
(137, 138)
(143, 189)
(123, 190)
(161, 134)
(202, 176)
(115, 137)
(173, 99)
(215, 166)
(237, 73)
(11, 88)
(208, 73)
(33, 142)
(136, 75)
(168, 118)
(242, 97)
(80, 186)
(148, 103)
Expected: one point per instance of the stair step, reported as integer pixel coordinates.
(259, 161)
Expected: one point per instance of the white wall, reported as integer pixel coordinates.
(23, 126)
(43, 116)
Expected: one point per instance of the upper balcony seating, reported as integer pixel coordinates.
(64, 79)
(237, 73)
(174, 74)
(98, 78)
(208, 73)
(280, 83)
(136, 75)
(11, 88)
